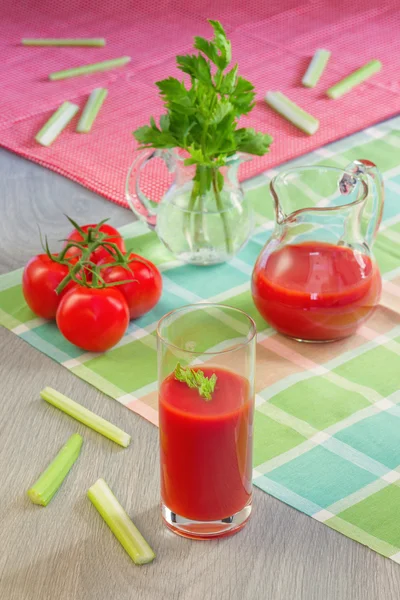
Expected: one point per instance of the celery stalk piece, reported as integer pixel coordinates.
(316, 68)
(354, 79)
(293, 113)
(120, 524)
(85, 416)
(94, 42)
(91, 110)
(93, 68)
(51, 479)
(57, 122)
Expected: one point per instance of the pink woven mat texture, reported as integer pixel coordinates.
(272, 42)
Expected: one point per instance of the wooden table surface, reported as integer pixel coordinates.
(65, 551)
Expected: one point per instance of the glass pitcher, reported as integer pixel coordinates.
(316, 279)
(204, 217)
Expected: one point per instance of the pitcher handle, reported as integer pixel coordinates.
(373, 210)
(144, 207)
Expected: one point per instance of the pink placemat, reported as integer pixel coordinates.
(272, 41)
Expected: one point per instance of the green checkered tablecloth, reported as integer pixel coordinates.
(327, 426)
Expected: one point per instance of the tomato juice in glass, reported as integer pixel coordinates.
(206, 444)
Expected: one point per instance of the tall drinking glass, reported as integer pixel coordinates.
(206, 361)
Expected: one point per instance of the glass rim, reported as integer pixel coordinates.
(231, 158)
(249, 338)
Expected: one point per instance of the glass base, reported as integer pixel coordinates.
(327, 341)
(204, 257)
(318, 341)
(205, 530)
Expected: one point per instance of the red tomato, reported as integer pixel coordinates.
(39, 281)
(145, 290)
(112, 236)
(94, 319)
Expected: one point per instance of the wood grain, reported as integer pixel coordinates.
(65, 551)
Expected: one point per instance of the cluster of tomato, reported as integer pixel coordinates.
(92, 287)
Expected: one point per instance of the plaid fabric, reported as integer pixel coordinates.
(327, 434)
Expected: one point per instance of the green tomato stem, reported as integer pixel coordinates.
(93, 239)
(51, 479)
(75, 269)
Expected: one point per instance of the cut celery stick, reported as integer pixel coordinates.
(57, 122)
(293, 113)
(354, 79)
(85, 416)
(87, 69)
(120, 524)
(91, 110)
(51, 479)
(63, 42)
(316, 68)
